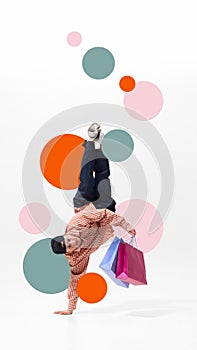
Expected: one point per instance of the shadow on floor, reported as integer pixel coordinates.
(141, 308)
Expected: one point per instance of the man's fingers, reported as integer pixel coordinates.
(64, 312)
(133, 231)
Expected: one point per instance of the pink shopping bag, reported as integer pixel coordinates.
(130, 265)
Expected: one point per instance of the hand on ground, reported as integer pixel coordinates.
(63, 312)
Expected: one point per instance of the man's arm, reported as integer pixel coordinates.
(117, 220)
(72, 291)
(77, 272)
(107, 217)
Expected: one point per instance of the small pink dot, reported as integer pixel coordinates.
(74, 39)
(34, 218)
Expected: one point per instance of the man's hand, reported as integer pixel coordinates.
(63, 312)
(77, 210)
(132, 231)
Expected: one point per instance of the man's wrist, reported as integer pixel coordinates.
(132, 232)
(70, 310)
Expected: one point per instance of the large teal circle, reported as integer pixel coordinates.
(117, 145)
(98, 63)
(45, 271)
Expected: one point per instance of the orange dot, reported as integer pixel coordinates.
(60, 161)
(91, 287)
(127, 83)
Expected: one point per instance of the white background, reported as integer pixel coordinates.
(40, 76)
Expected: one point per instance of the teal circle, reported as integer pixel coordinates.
(45, 271)
(98, 63)
(117, 145)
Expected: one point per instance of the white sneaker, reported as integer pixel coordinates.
(95, 134)
(93, 131)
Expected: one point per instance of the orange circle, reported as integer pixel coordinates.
(60, 161)
(91, 287)
(127, 83)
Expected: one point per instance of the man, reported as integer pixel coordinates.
(94, 175)
(85, 233)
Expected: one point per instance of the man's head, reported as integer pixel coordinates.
(65, 244)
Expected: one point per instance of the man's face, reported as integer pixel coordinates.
(72, 243)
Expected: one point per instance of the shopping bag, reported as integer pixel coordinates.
(130, 265)
(109, 262)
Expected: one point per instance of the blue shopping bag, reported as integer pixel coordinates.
(109, 262)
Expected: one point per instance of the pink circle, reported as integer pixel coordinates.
(141, 214)
(74, 39)
(144, 102)
(34, 218)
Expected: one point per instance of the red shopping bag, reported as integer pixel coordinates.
(130, 265)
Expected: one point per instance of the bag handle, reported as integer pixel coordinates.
(133, 240)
